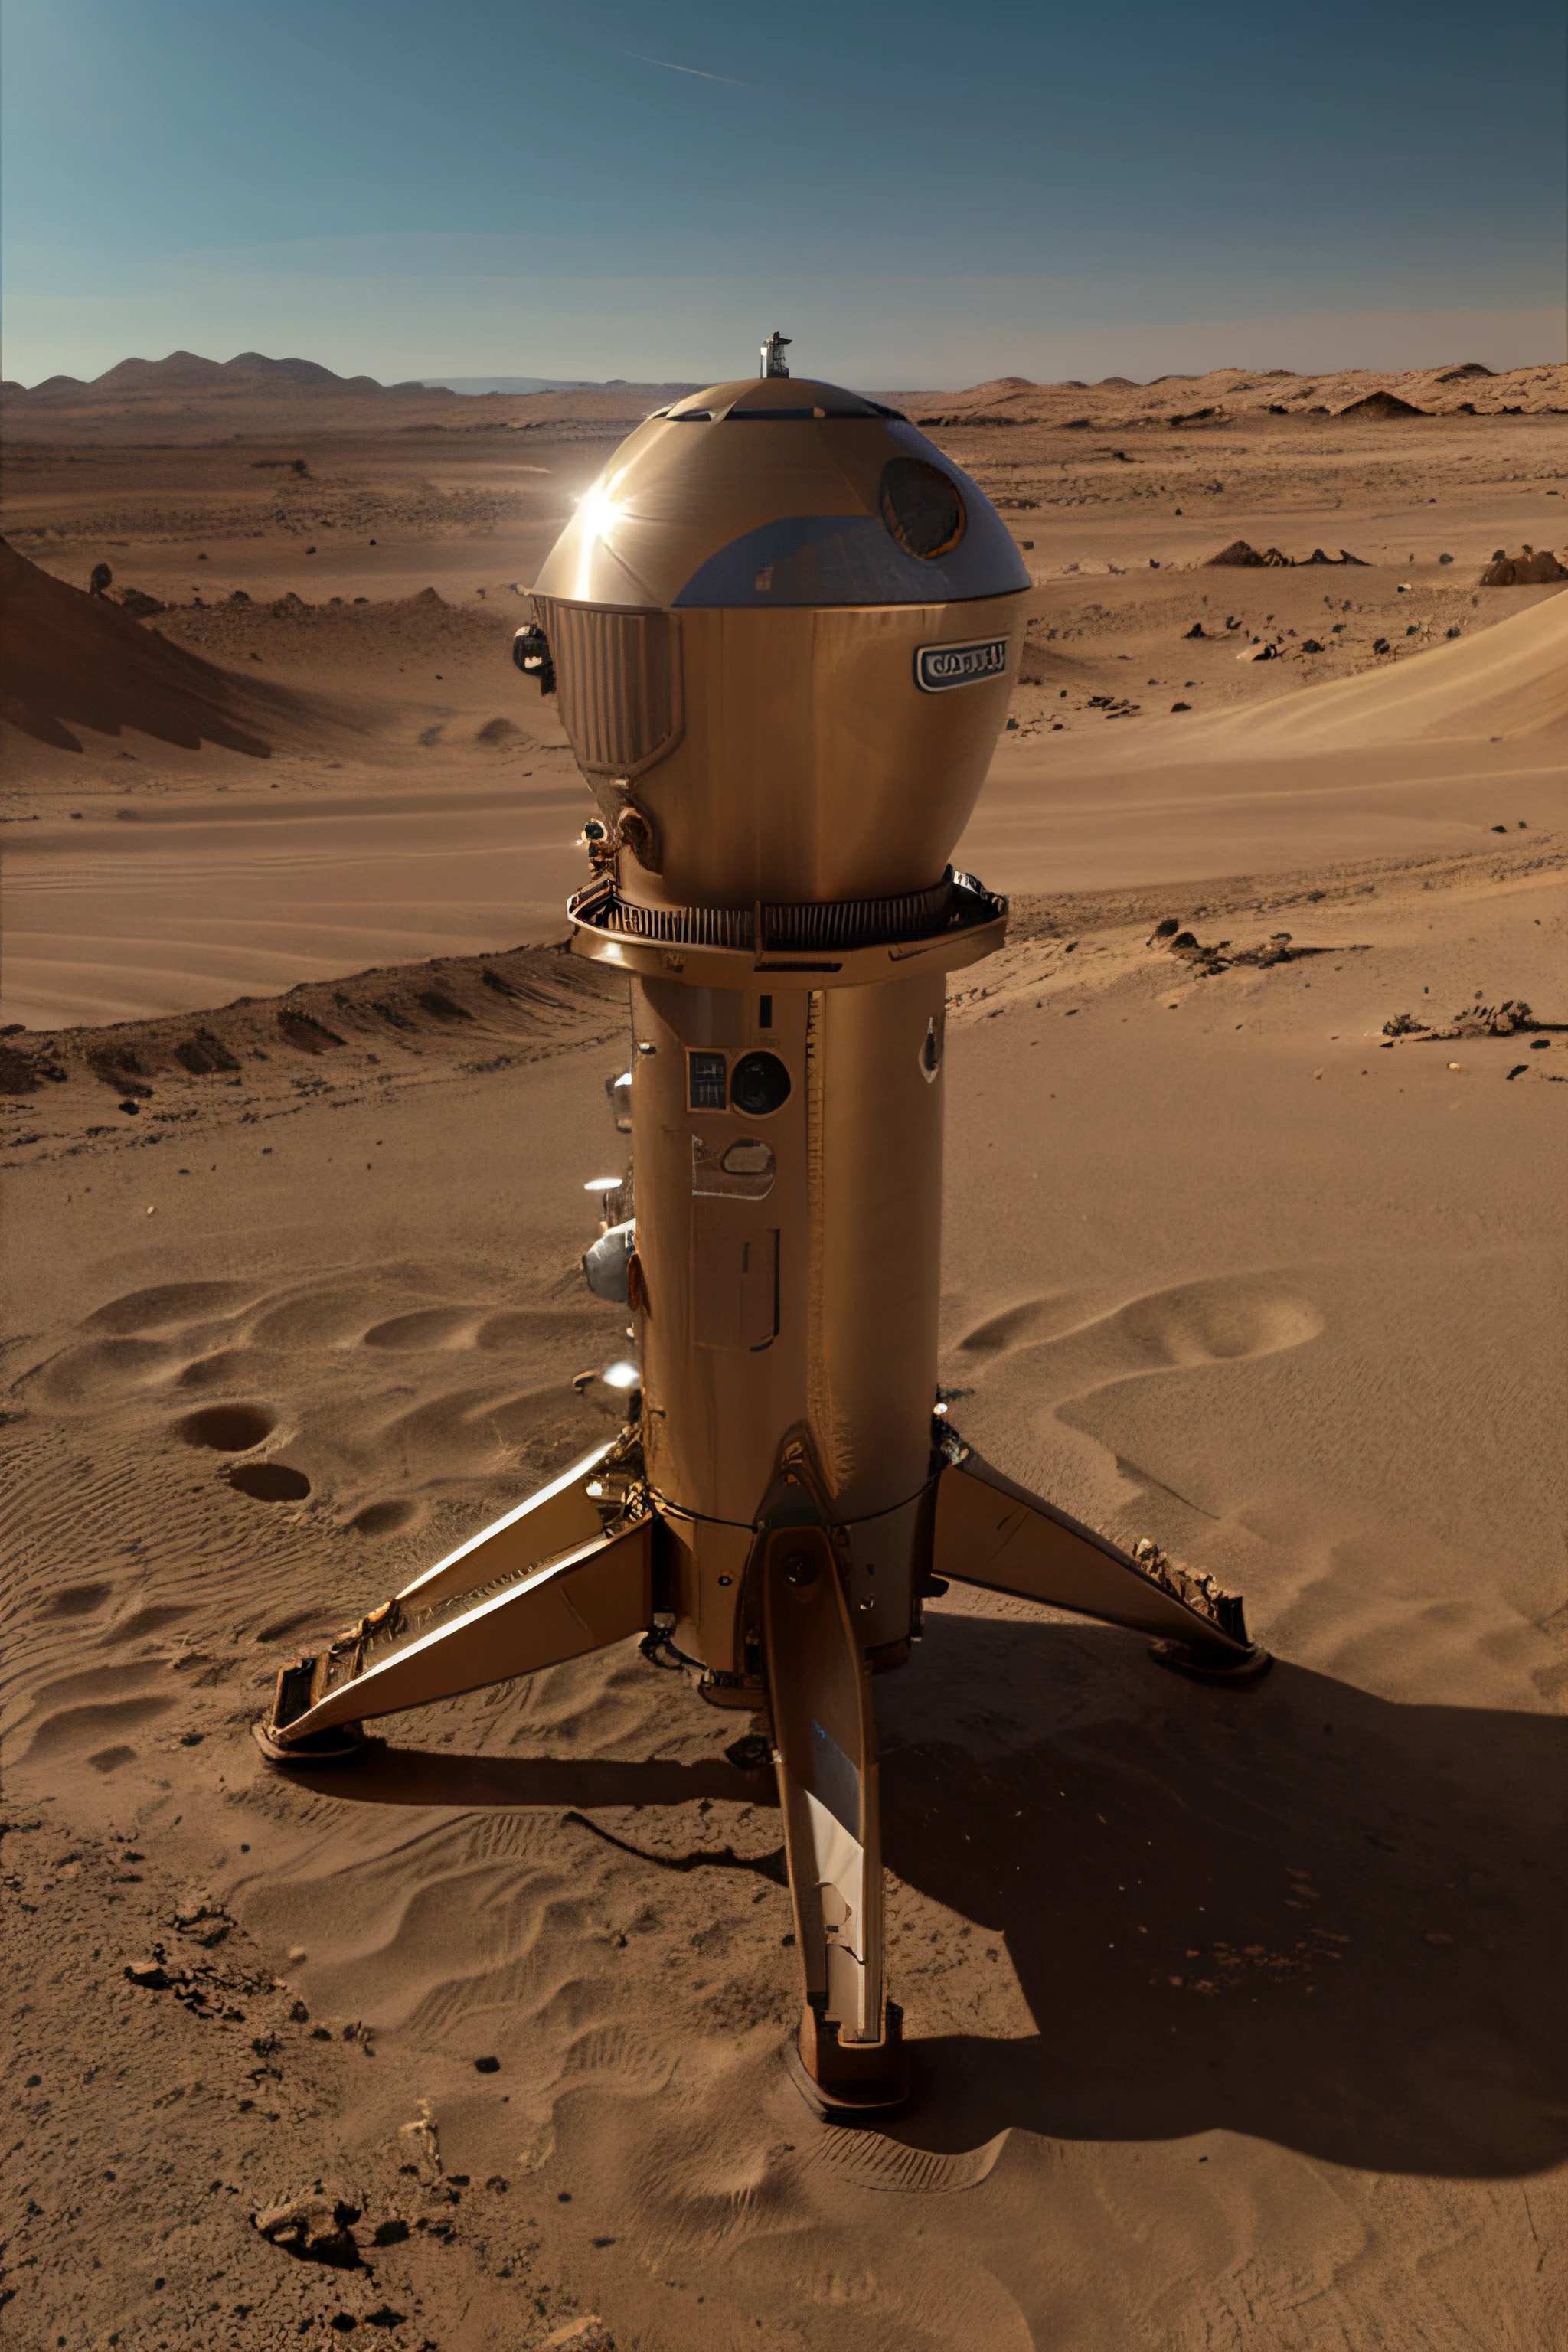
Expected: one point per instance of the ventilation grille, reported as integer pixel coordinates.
(954, 901)
(617, 683)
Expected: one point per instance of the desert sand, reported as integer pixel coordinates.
(486, 2027)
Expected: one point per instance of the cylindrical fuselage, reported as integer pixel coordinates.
(787, 1148)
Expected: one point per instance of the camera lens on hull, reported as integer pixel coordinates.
(759, 1084)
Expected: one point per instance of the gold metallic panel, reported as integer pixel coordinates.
(810, 766)
(876, 1238)
(825, 1732)
(816, 1302)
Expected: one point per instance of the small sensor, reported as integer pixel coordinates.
(706, 1079)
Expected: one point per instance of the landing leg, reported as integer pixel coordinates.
(992, 1531)
(848, 2058)
(568, 1571)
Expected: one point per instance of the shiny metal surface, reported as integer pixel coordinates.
(785, 629)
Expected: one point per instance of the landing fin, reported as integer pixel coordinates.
(570, 1571)
(993, 1532)
(849, 2057)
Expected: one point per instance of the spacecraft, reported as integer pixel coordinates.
(782, 628)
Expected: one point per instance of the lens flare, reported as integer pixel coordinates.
(597, 511)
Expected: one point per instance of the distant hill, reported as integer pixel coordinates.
(473, 384)
(1361, 397)
(185, 399)
(251, 372)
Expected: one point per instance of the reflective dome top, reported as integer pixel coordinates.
(776, 492)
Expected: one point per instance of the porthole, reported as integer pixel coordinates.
(922, 507)
(759, 1084)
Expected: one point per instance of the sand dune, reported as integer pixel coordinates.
(76, 662)
(1416, 757)
(1511, 681)
(188, 906)
(446, 826)
(260, 861)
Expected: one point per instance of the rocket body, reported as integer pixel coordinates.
(789, 1274)
(783, 629)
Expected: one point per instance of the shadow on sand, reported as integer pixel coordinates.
(1297, 1912)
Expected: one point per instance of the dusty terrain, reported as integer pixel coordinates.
(1235, 2013)
(378, 546)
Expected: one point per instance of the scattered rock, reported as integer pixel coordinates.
(203, 1053)
(302, 1029)
(421, 2141)
(487, 2065)
(1531, 569)
(1240, 555)
(314, 2229)
(1505, 1019)
(18, 1073)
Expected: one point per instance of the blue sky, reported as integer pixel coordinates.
(921, 195)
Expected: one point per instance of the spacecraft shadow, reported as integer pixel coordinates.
(1002, 1750)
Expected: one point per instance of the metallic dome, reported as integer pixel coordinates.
(803, 506)
(783, 628)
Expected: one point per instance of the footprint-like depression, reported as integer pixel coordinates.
(237, 1429)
